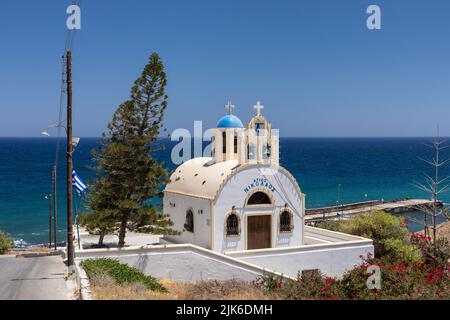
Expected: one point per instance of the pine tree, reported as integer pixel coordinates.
(129, 175)
(101, 216)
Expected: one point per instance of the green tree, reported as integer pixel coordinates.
(389, 234)
(101, 217)
(6, 242)
(128, 174)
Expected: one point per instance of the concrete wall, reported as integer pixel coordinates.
(235, 193)
(331, 259)
(184, 263)
(202, 218)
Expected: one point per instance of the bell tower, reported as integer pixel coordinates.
(255, 144)
(226, 145)
(262, 142)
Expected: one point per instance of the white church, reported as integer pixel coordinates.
(242, 203)
(240, 214)
(241, 198)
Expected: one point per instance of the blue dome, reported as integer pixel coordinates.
(230, 121)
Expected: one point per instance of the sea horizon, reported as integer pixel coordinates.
(365, 168)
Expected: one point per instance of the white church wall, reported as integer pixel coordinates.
(202, 218)
(235, 192)
(331, 259)
(184, 263)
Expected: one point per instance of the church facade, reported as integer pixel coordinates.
(240, 198)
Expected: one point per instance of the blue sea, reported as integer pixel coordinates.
(366, 169)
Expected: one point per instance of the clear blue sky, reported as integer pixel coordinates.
(313, 63)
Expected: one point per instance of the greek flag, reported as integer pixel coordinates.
(78, 183)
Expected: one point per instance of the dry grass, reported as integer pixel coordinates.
(104, 288)
(442, 231)
(228, 290)
(33, 250)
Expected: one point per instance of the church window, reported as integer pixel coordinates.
(189, 223)
(235, 144)
(286, 221)
(251, 151)
(224, 142)
(259, 198)
(266, 151)
(259, 128)
(233, 225)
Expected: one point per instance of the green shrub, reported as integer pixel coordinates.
(333, 225)
(6, 242)
(398, 250)
(120, 273)
(378, 226)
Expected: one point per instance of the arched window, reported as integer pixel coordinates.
(224, 142)
(286, 221)
(267, 151)
(251, 152)
(189, 223)
(232, 225)
(259, 198)
(259, 128)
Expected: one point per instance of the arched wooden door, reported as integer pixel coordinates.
(259, 232)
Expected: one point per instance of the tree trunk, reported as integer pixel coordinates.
(122, 232)
(100, 240)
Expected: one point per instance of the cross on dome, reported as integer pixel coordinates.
(230, 107)
(258, 108)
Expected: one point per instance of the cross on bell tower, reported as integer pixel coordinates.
(230, 107)
(258, 108)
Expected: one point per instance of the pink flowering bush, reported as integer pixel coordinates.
(419, 280)
(428, 278)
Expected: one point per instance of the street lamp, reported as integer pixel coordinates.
(57, 125)
(75, 140)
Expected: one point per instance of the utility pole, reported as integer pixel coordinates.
(55, 211)
(50, 217)
(70, 248)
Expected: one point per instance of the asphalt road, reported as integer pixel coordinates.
(40, 278)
